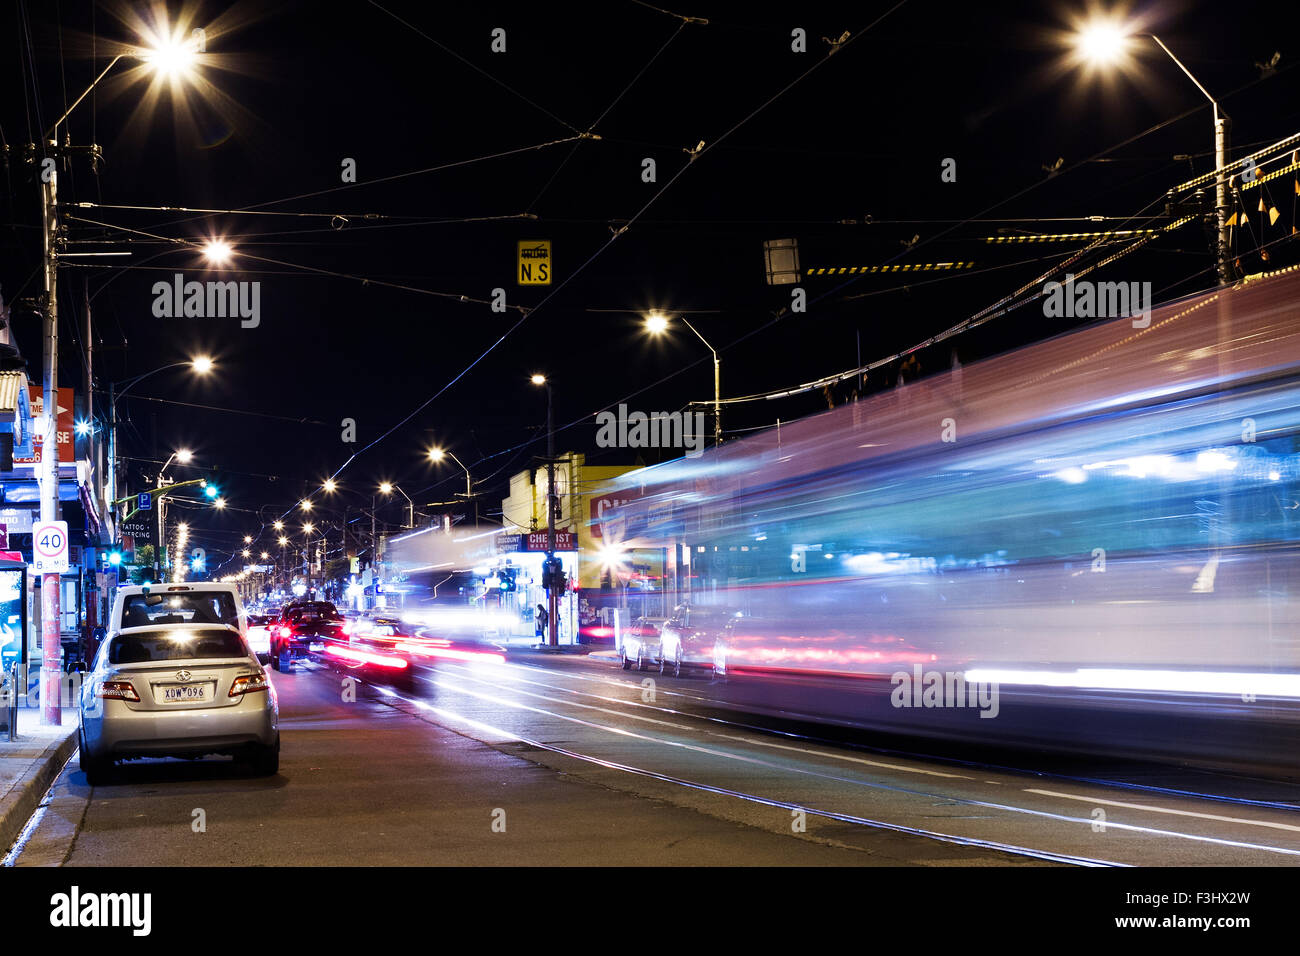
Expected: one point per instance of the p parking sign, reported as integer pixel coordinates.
(144, 501)
(50, 547)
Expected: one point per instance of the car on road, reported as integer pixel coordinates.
(259, 636)
(689, 637)
(177, 690)
(303, 629)
(639, 642)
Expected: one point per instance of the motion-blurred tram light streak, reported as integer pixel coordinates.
(1113, 537)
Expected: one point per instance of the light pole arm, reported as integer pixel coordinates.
(53, 129)
(1212, 100)
(701, 338)
(452, 456)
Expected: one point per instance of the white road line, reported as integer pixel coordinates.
(1182, 813)
(1236, 844)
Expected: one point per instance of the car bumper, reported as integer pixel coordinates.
(122, 732)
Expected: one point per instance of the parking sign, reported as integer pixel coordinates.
(144, 501)
(50, 547)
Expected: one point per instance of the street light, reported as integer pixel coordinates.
(305, 505)
(387, 488)
(218, 252)
(438, 454)
(161, 57)
(200, 364)
(329, 485)
(656, 323)
(279, 526)
(1102, 43)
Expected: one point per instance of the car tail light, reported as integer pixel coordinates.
(246, 683)
(285, 630)
(117, 690)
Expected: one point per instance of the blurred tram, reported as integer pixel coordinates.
(1089, 544)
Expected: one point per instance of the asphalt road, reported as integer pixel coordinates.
(571, 761)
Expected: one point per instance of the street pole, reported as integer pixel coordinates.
(553, 597)
(112, 463)
(717, 383)
(1220, 183)
(51, 612)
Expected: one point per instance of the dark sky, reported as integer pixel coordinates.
(288, 90)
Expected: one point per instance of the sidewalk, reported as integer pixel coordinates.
(29, 765)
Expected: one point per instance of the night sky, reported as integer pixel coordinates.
(842, 153)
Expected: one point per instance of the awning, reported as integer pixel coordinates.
(14, 405)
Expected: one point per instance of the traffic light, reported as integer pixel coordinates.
(211, 491)
(553, 576)
(115, 557)
(507, 579)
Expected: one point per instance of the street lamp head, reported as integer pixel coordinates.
(184, 455)
(437, 454)
(171, 57)
(218, 252)
(279, 526)
(538, 379)
(283, 541)
(219, 503)
(309, 527)
(265, 555)
(330, 485)
(306, 505)
(201, 364)
(656, 323)
(1101, 42)
(386, 488)
(246, 552)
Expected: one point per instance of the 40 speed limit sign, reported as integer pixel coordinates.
(50, 547)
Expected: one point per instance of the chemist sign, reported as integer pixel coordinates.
(50, 547)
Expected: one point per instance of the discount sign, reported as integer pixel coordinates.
(50, 547)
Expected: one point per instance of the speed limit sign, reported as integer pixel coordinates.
(50, 547)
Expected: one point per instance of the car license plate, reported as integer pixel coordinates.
(185, 692)
(317, 646)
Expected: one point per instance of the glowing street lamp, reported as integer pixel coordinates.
(218, 252)
(330, 485)
(387, 488)
(656, 323)
(279, 526)
(1105, 43)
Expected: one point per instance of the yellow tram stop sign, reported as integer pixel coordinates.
(535, 262)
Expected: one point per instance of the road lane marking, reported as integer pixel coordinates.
(1182, 813)
(1236, 844)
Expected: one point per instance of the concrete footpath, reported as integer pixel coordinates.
(29, 765)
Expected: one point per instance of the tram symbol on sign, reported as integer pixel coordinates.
(50, 547)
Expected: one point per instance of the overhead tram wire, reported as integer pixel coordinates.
(623, 229)
(198, 246)
(591, 129)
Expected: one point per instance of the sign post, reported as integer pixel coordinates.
(535, 262)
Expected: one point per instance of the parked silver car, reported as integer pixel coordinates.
(689, 637)
(177, 690)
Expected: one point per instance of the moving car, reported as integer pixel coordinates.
(303, 629)
(639, 643)
(259, 636)
(177, 690)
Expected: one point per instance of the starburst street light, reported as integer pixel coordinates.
(218, 252)
(1103, 42)
(283, 541)
(305, 505)
(183, 455)
(309, 527)
(538, 379)
(248, 539)
(279, 526)
(330, 485)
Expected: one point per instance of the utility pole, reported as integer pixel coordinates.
(553, 597)
(51, 612)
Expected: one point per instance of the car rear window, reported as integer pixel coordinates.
(180, 607)
(172, 644)
(315, 612)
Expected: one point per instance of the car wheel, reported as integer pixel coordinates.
(663, 662)
(265, 761)
(264, 658)
(640, 659)
(275, 660)
(627, 663)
